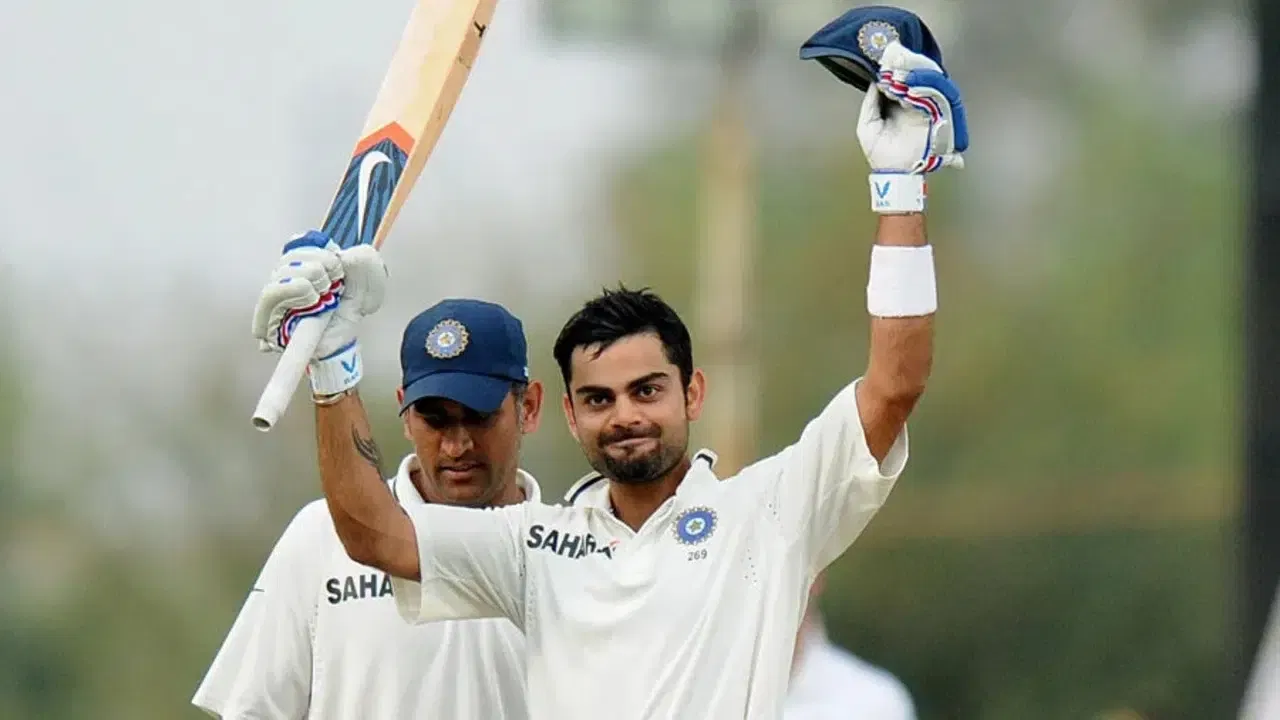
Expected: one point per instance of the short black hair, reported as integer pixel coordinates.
(518, 390)
(616, 314)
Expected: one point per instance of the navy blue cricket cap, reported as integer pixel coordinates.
(851, 45)
(468, 351)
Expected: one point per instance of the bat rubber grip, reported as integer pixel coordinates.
(290, 368)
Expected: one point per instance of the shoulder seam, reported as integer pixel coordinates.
(583, 488)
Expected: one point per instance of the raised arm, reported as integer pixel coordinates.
(445, 562)
(901, 348)
(316, 278)
(912, 123)
(373, 527)
(830, 483)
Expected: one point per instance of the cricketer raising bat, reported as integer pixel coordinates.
(426, 76)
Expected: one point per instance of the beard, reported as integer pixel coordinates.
(640, 468)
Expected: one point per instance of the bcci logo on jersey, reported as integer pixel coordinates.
(695, 525)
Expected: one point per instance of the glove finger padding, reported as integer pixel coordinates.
(316, 278)
(365, 279)
(922, 111)
(871, 115)
(896, 57)
(284, 302)
(894, 138)
(937, 98)
(920, 87)
(307, 282)
(278, 297)
(871, 122)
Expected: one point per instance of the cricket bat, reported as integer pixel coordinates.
(430, 66)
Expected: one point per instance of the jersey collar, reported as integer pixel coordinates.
(407, 494)
(592, 490)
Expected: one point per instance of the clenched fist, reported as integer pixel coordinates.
(317, 279)
(912, 123)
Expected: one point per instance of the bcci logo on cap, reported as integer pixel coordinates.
(695, 525)
(447, 340)
(874, 37)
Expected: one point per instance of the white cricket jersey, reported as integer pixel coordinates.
(319, 638)
(830, 683)
(1262, 695)
(693, 617)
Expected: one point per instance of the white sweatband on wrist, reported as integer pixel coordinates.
(337, 372)
(901, 282)
(897, 192)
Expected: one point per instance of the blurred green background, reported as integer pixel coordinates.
(1060, 545)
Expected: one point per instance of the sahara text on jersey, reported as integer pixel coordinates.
(569, 545)
(357, 587)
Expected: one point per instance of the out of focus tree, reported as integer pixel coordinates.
(35, 661)
(130, 615)
(1056, 547)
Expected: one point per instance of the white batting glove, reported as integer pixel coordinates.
(316, 278)
(912, 123)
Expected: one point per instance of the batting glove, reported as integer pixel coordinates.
(317, 279)
(912, 123)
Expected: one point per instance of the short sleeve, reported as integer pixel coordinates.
(263, 668)
(827, 485)
(471, 561)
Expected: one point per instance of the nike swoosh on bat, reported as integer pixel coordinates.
(367, 164)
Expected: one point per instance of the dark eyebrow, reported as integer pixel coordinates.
(643, 380)
(646, 379)
(592, 390)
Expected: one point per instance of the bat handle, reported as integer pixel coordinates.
(290, 368)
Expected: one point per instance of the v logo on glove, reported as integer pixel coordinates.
(350, 365)
(882, 189)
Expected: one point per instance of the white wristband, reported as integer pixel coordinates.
(897, 192)
(901, 282)
(338, 372)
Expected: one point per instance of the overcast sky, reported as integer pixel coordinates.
(195, 137)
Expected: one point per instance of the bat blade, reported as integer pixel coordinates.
(430, 66)
(432, 63)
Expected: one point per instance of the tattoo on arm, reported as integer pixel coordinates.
(368, 449)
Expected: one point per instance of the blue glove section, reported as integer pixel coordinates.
(935, 94)
(311, 238)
